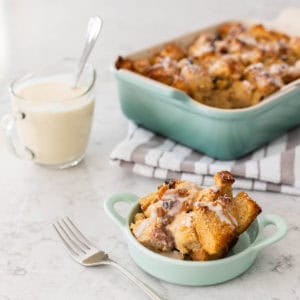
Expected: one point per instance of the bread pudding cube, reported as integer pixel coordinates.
(215, 226)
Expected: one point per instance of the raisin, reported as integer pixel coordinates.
(171, 183)
(168, 204)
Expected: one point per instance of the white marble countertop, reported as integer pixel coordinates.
(33, 263)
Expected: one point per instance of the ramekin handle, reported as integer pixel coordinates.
(8, 123)
(109, 207)
(281, 230)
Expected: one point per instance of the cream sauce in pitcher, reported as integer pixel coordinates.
(56, 120)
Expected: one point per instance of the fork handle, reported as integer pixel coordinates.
(134, 279)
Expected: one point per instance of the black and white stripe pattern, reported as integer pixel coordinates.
(275, 167)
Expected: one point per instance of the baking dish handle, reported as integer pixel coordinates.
(109, 207)
(161, 88)
(281, 230)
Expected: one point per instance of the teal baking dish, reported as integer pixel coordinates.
(224, 134)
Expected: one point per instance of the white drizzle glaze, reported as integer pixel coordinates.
(141, 227)
(173, 195)
(217, 65)
(218, 210)
(175, 209)
(202, 50)
(188, 220)
(215, 188)
(233, 219)
(170, 195)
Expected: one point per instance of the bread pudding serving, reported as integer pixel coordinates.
(234, 67)
(186, 221)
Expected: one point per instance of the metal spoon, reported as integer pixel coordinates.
(93, 30)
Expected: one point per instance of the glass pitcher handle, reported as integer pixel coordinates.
(8, 123)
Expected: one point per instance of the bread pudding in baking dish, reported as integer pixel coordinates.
(235, 66)
(185, 221)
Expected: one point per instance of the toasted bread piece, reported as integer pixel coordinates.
(197, 223)
(185, 236)
(173, 254)
(225, 68)
(295, 45)
(124, 63)
(200, 254)
(172, 51)
(182, 229)
(209, 194)
(242, 93)
(174, 193)
(215, 227)
(174, 196)
(150, 232)
(224, 181)
(261, 33)
(141, 66)
(245, 210)
(139, 217)
(232, 28)
(146, 201)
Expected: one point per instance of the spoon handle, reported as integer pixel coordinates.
(93, 30)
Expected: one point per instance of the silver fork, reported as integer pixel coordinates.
(82, 251)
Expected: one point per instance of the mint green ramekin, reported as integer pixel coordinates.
(195, 273)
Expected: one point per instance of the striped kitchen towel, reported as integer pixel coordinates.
(275, 167)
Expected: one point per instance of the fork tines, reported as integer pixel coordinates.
(72, 237)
